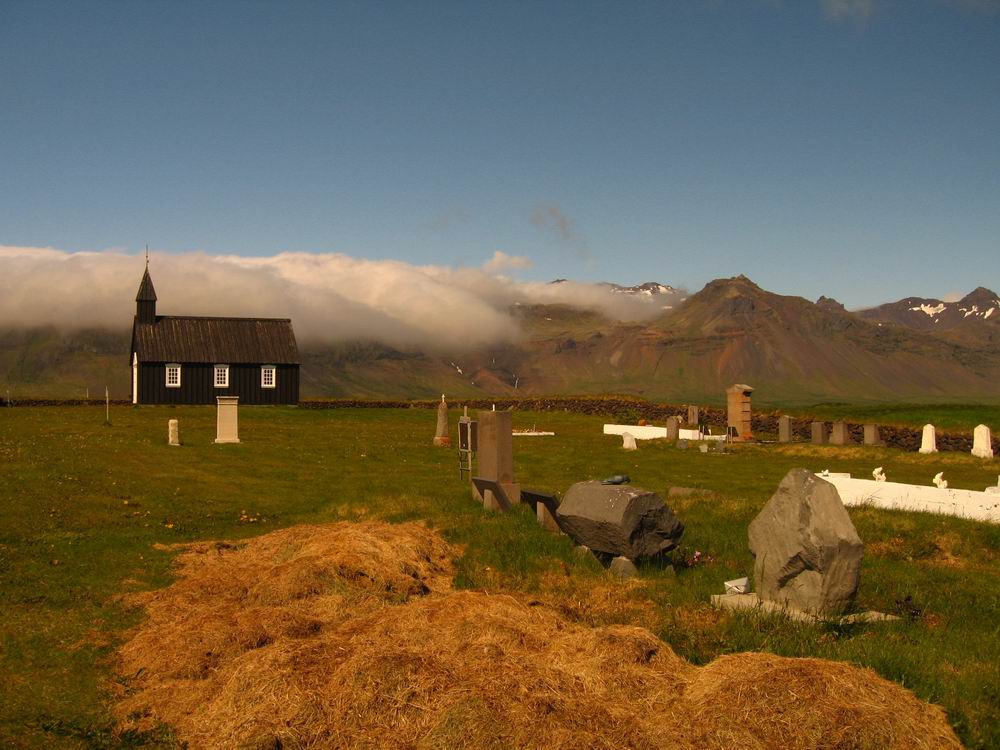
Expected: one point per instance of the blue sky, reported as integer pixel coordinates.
(847, 147)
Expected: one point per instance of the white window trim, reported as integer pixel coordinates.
(274, 376)
(215, 376)
(166, 375)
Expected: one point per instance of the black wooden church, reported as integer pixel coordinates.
(187, 360)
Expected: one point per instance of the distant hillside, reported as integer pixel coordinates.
(790, 349)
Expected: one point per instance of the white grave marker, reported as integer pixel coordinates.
(982, 442)
(928, 442)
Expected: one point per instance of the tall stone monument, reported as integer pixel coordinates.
(818, 433)
(673, 428)
(441, 437)
(928, 440)
(496, 456)
(982, 442)
(173, 432)
(227, 419)
(738, 408)
(693, 415)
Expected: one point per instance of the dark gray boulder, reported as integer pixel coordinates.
(619, 520)
(807, 553)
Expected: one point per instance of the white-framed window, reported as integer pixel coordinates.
(173, 376)
(268, 376)
(221, 376)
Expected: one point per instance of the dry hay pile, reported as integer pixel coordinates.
(348, 635)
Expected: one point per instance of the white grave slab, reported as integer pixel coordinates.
(979, 506)
(639, 432)
(982, 442)
(928, 441)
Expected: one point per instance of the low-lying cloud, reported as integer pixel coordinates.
(330, 297)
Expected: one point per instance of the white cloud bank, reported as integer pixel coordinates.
(329, 297)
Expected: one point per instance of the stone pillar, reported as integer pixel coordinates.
(693, 415)
(496, 456)
(871, 435)
(839, 434)
(784, 429)
(818, 431)
(226, 419)
(673, 428)
(738, 407)
(173, 433)
(982, 442)
(928, 441)
(441, 437)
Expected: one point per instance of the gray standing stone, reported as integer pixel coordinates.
(784, 429)
(173, 432)
(807, 554)
(693, 415)
(839, 434)
(818, 431)
(673, 428)
(682, 444)
(871, 435)
(619, 520)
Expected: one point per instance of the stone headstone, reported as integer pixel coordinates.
(839, 434)
(619, 520)
(628, 441)
(784, 429)
(673, 427)
(441, 437)
(623, 568)
(928, 440)
(682, 444)
(871, 435)
(693, 415)
(818, 433)
(807, 554)
(227, 419)
(173, 433)
(982, 442)
(496, 456)
(703, 447)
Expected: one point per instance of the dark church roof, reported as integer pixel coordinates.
(146, 291)
(214, 340)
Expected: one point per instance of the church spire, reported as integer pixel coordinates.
(145, 299)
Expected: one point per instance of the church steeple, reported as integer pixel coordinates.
(145, 300)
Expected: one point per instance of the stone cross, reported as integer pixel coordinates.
(928, 441)
(839, 435)
(818, 431)
(227, 419)
(173, 433)
(441, 437)
(982, 442)
(496, 456)
(784, 429)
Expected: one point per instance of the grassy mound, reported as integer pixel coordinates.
(348, 635)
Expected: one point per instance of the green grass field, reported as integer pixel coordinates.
(82, 505)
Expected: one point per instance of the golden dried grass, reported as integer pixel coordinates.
(348, 635)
